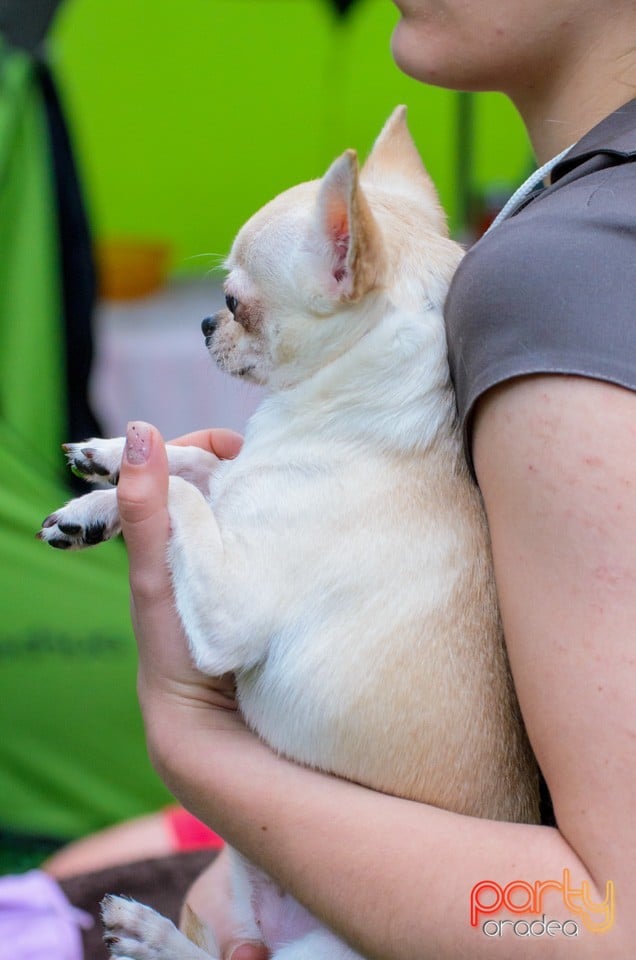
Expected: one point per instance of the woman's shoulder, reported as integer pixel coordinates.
(552, 289)
(588, 221)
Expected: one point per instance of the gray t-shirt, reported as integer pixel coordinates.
(552, 289)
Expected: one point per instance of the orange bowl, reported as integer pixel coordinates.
(131, 268)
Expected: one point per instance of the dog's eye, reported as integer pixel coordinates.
(231, 303)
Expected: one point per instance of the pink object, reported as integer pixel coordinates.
(188, 833)
(37, 922)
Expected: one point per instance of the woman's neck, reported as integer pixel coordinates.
(577, 93)
(554, 129)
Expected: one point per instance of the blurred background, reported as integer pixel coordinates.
(188, 116)
(135, 138)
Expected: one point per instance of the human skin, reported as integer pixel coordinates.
(555, 459)
(302, 827)
(565, 65)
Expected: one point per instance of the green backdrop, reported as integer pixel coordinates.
(189, 115)
(72, 752)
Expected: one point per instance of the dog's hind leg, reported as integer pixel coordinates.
(133, 931)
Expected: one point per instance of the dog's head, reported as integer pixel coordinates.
(317, 267)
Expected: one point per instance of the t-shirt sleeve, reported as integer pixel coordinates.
(551, 290)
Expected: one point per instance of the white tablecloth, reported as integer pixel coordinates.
(151, 364)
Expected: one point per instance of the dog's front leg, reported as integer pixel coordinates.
(97, 461)
(93, 518)
(207, 573)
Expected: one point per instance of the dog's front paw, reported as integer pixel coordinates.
(137, 932)
(83, 522)
(95, 460)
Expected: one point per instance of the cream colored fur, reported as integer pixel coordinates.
(343, 572)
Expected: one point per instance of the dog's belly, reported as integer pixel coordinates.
(401, 713)
(385, 663)
(279, 917)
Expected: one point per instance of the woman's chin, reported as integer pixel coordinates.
(404, 49)
(416, 55)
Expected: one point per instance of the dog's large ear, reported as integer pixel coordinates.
(394, 162)
(347, 227)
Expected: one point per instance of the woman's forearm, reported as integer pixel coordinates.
(392, 877)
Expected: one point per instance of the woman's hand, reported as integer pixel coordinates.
(175, 697)
(165, 665)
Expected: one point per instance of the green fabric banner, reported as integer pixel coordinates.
(72, 752)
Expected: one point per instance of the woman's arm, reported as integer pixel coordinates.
(395, 877)
(556, 460)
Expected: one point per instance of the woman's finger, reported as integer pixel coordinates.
(165, 663)
(224, 444)
(247, 951)
(142, 490)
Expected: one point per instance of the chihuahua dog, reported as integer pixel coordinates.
(340, 565)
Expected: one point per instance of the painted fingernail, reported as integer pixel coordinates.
(249, 950)
(137, 443)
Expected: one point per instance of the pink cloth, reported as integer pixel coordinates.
(36, 920)
(188, 833)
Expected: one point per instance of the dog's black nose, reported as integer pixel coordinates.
(208, 326)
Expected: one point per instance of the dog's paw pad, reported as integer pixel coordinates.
(83, 522)
(95, 533)
(59, 543)
(94, 462)
(50, 533)
(68, 536)
(70, 529)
